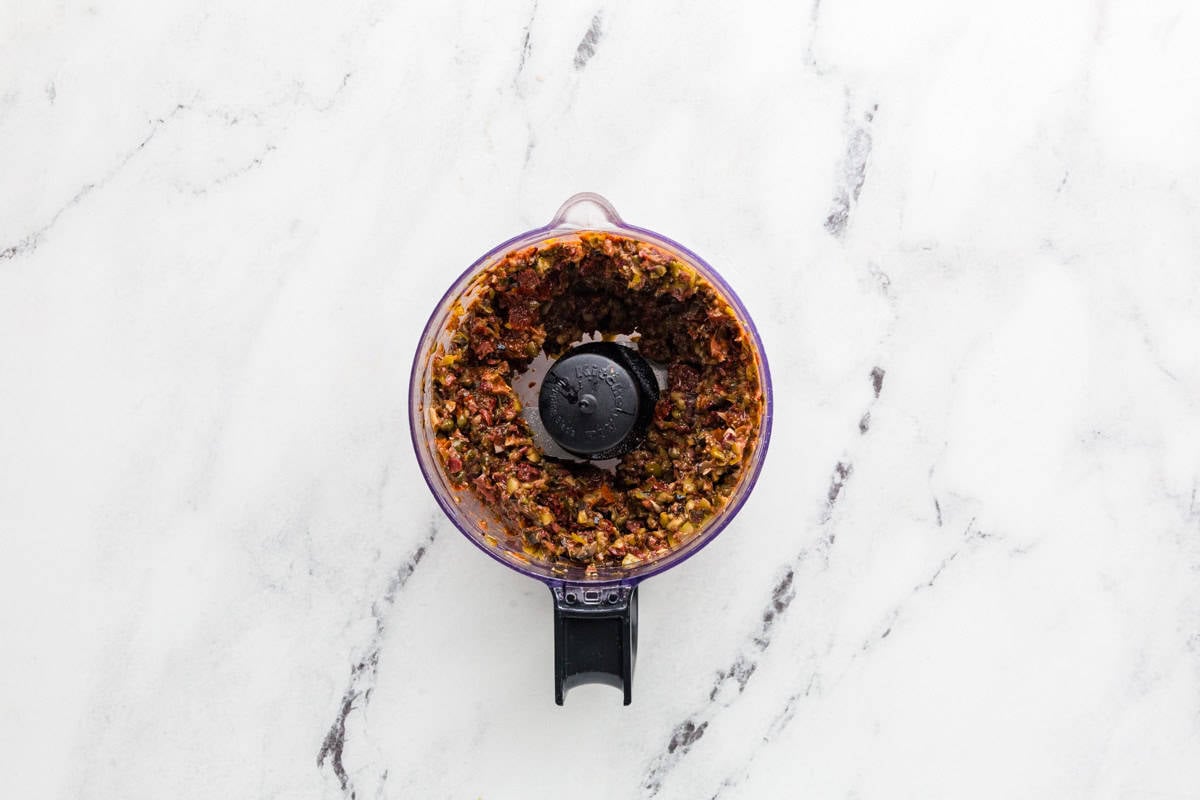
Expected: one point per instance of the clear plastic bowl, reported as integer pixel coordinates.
(583, 212)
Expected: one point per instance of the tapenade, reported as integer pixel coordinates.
(543, 299)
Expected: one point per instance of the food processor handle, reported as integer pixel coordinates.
(595, 637)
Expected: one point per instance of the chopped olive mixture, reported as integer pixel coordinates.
(706, 422)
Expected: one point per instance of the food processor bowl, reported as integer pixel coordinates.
(596, 613)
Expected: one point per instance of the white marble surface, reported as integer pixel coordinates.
(222, 225)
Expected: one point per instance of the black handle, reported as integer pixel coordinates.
(595, 637)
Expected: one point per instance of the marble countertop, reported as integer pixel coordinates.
(968, 232)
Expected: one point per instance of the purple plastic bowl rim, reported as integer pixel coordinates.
(765, 426)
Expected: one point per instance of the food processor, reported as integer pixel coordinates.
(593, 404)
